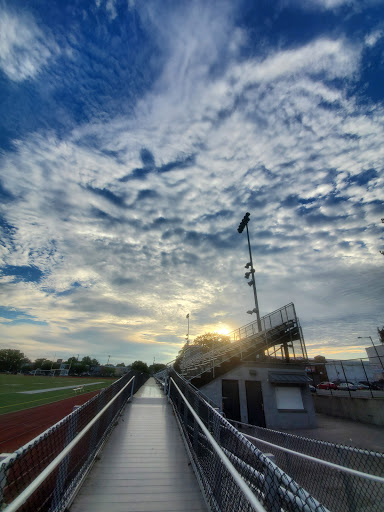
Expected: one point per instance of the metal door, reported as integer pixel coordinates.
(231, 402)
(255, 404)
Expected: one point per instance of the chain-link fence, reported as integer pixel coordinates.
(271, 488)
(338, 490)
(26, 466)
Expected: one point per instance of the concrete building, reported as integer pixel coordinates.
(272, 395)
(260, 376)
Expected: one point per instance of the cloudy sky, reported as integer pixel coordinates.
(134, 137)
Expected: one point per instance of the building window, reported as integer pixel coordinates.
(289, 398)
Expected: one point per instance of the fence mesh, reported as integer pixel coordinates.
(272, 487)
(23, 467)
(337, 490)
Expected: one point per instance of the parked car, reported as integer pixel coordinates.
(326, 385)
(345, 386)
(362, 385)
(312, 389)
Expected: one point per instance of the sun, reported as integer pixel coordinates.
(224, 330)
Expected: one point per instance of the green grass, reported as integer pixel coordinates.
(11, 400)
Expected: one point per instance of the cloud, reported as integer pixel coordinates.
(372, 38)
(141, 209)
(24, 48)
(322, 4)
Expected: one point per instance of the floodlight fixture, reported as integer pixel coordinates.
(244, 222)
(248, 265)
(250, 283)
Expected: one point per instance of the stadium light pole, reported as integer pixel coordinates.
(244, 224)
(187, 338)
(374, 346)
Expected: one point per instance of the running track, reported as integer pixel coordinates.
(17, 428)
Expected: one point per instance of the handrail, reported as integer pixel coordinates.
(28, 491)
(293, 492)
(313, 441)
(332, 465)
(201, 359)
(254, 502)
(268, 315)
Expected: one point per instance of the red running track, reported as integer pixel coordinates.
(17, 428)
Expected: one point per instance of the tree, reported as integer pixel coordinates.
(381, 334)
(12, 360)
(156, 367)
(211, 340)
(140, 366)
(47, 365)
(320, 368)
(207, 342)
(121, 365)
(107, 371)
(87, 361)
(38, 363)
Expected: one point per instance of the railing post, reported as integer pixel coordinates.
(63, 468)
(366, 376)
(132, 387)
(349, 391)
(196, 427)
(349, 488)
(169, 389)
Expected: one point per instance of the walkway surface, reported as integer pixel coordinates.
(144, 467)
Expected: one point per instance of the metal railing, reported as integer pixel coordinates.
(343, 478)
(277, 327)
(232, 472)
(43, 475)
(269, 321)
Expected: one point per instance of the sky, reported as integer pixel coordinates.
(135, 135)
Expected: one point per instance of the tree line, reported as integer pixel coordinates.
(14, 361)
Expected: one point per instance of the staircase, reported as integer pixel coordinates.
(281, 329)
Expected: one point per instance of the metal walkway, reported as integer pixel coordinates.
(144, 467)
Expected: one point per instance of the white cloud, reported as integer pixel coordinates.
(372, 38)
(262, 132)
(24, 48)
(111, 9)
(321, 4)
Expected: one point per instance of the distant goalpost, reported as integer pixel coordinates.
(63, 371)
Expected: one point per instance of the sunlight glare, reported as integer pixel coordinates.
(223, 330)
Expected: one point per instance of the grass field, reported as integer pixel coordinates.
(12, 400)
